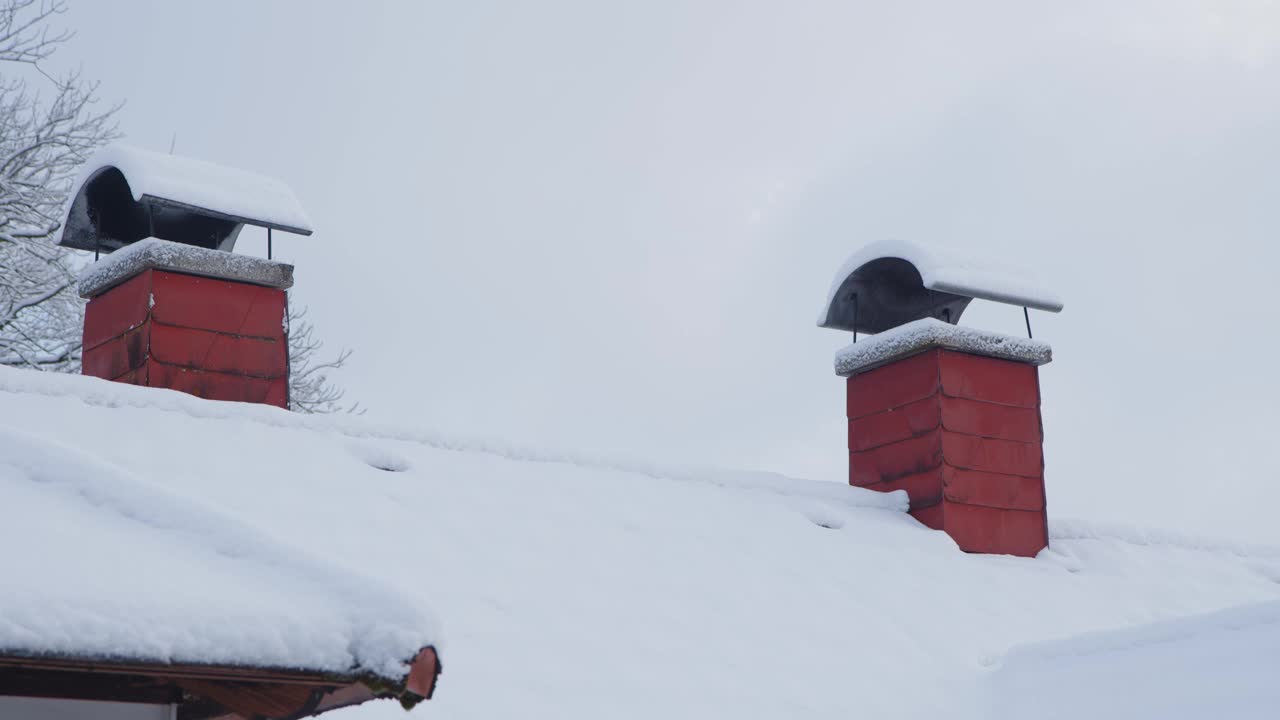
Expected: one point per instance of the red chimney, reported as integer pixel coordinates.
(172, 306)
(175, 316)
(949, 414)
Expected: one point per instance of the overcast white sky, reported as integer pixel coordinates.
(610, 226)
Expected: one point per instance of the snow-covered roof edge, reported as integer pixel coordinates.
(876, 350)
(379, 633)
(945, 272)
(164, 255)
(256, 199)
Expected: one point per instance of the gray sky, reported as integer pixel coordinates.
(610, 226)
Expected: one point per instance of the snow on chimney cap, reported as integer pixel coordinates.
(893, 282)
(155, 254)
(124, 194)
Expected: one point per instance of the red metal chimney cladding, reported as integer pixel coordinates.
(961, 434)
(220, 334)
(215, 339)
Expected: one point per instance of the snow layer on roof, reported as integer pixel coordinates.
(1221, 664)
(101, 563)
(201, 184)
(949, 271)
(872, 351)
(132, 259)
(583, 587)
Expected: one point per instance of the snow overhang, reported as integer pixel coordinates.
(167, 591)
(124, 194)
(891, 283)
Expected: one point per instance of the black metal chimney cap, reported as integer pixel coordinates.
(892, 283)
(124, 195)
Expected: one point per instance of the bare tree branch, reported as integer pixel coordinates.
(310, 390)
(25, 36)
(47, 131)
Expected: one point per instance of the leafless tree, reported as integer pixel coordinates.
(48, 127)
(310, 390)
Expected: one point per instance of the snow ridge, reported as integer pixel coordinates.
(1214, 664)
(1236, 619)
(103, 393)
(1068, 529)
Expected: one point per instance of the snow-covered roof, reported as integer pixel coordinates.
(1217, 665)
(169, 191)
(569, 586)
(898, 281)
(118, 564)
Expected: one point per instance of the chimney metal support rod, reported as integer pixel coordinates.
(268, 243)
(855, 318)
(1026, 315)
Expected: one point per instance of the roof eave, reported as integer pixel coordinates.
(241, 691)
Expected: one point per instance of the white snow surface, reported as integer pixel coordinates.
(570, 586)
(1217, 665)
(198, 183)
(101, 563)
(949, 271)
(872, 351)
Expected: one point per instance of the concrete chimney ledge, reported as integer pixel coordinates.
(876, 350)
(154, 254)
